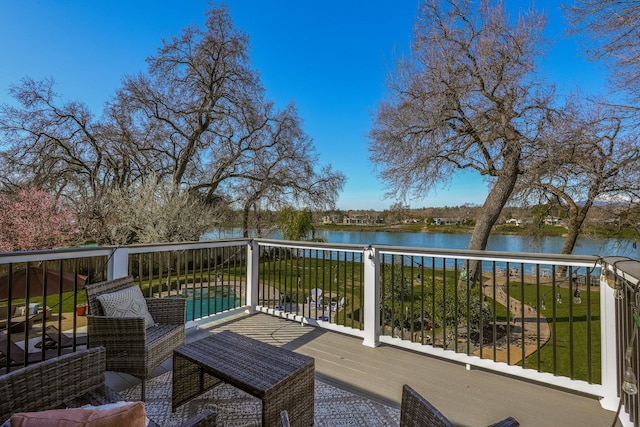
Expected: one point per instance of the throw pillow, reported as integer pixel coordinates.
(110, 406)
(128, 302)
(132, 414)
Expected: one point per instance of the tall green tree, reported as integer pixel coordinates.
(296, 224)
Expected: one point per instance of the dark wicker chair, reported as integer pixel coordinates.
(68, 381)
(131, 347)
(416, 411)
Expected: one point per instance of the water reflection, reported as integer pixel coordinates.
(498, 242)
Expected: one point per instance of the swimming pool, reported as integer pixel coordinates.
(201, 303)
(205, 307)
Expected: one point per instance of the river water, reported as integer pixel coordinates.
(499, 242)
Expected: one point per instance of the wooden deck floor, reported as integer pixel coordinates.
(468, 397)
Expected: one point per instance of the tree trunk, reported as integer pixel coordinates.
(245, 221)
(258, 215)
(575, 225)
(497, 198)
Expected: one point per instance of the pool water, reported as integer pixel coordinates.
(202, 302)
(204, 307)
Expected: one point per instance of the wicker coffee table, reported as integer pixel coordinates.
(281, 378)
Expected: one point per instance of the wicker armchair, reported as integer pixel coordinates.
(416, 411)
(131, 347)
(68, 381)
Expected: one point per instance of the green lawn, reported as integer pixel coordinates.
(568, 322)
(52, 301)
(571, 329)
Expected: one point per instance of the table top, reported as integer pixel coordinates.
(236, 359)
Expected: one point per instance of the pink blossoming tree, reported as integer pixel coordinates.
(33, 219)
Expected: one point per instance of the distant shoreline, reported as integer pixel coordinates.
(468, 229)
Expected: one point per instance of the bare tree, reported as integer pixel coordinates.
(589, 152)
(280, 170)
(200, 103)
(153, 211)
(206, 125)
(398, 212)
(198, 119)
(61, 148)
(466, 98)
(614, 30)
(49, 144)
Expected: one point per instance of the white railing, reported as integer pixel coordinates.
(586, 268)
(359, 282)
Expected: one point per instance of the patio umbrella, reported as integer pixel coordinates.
(36, 278)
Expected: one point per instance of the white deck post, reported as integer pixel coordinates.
(118, 264)
(253, 260)
(609, 364)
(371, 297)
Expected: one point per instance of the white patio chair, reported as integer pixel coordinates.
(316, 293)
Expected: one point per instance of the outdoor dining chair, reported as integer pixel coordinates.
(416, 411)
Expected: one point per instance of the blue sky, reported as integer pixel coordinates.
(330, 57)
